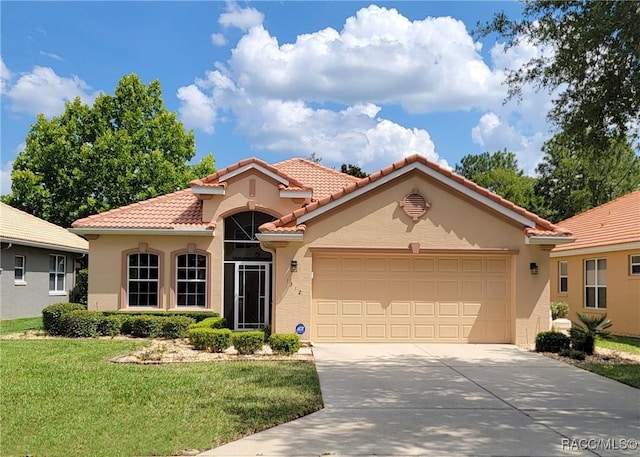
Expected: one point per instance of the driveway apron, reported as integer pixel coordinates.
(441, 399)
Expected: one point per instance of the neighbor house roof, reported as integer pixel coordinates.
(536, 226)
(22, 228)
(612, 224)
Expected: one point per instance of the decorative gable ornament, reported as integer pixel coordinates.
(415, 205)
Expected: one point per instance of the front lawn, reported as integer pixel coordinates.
(625, 373)
(20, 325)
(620, 343)
(64, 398)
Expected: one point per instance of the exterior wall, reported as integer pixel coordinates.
(623, 289)
(376, 221)
(28, 299)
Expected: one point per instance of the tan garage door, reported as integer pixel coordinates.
(411, 298)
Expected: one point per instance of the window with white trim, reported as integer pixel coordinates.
(191, 280)
(563, 277)
(19, 269)
(56, 273)
(595, 295)
(634, 267)
(143, 273)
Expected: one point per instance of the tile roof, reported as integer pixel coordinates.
(176, 210)
(323, 180)
(19, 227)
(542, 226)
(615, 222)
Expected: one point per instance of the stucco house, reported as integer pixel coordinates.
(413, 252)
(37, 263)
(600, 272)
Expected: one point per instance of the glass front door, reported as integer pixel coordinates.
(251, 295)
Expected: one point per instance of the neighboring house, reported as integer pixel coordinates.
(38, 260)
(600, 272)
(413, 252)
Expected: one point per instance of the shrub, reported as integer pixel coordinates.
(583, 335)
(146, 326)
(247, 342)
(581, 340)
(212, 339)
(81, 291)
(574, 354)
(267, 333)
(284, 343)
(79, 323)
(51, 315)
(127, 323)
(559, 310)
(175, 327)
(551, 342)
(111, 325)
(195, 315)
(210, 322)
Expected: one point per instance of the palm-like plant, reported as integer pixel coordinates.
(583, 337)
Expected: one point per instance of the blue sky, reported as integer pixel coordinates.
(353, 82)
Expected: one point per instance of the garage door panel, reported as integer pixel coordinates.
(412, 298)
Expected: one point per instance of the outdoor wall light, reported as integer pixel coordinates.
(294, 266)
(533, 268)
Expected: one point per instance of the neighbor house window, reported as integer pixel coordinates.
(191, 277)
(563, 277)
(19, 270)
(143, 279)
(635, 264)
(595, 283)
(56, 273)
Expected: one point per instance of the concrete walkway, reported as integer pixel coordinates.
(440, 399)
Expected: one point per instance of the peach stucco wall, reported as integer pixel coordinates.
(623, 289)
(453, 223)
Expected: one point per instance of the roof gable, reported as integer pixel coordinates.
(614, 223)
(22, 228)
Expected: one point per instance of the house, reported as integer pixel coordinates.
(37, 263)
(600, 272)
(413, 252)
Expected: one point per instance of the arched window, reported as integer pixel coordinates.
(191, 280)
(143, 274)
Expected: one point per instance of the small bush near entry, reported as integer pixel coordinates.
(215, 340)
(175, 327)
(284, 343)
(147, 326)
(247, 342)
(551, 342)
(267, 333)
(559, 310)
(581, 340)
(210, 322)
(51, 315)
(111, 325)
(572, 353)
(79, 324)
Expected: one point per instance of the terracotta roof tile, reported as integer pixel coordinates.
(323, 180)
(542, 225)
(615, 222)
(17, 226)
(176, 210)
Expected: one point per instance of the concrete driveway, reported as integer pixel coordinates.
(440, 399)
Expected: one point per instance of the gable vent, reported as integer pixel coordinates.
(415, 205)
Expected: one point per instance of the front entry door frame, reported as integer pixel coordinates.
(248, 294)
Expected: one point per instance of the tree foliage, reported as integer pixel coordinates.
(125, 148)
(593, 62)
(574, 178)
(353, 170)
(499, 172)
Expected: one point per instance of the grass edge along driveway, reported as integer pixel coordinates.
(63, 397)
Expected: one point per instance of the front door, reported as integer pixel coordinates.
(251, 295)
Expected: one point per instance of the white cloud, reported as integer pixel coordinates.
(5, 178)
(5, 76)
(242, 18)
(43, 91)
(51, 55)
(218, 39)
(196, 109)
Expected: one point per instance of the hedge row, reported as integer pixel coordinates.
(218, 340)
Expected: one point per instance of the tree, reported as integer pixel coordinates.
(592, 61)
(353, 170)
(499, 172)
(125, 148)
(574, 178)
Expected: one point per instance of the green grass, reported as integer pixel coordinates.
(628, 373)
(20, 325)
(620, 343)
(64, 398)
